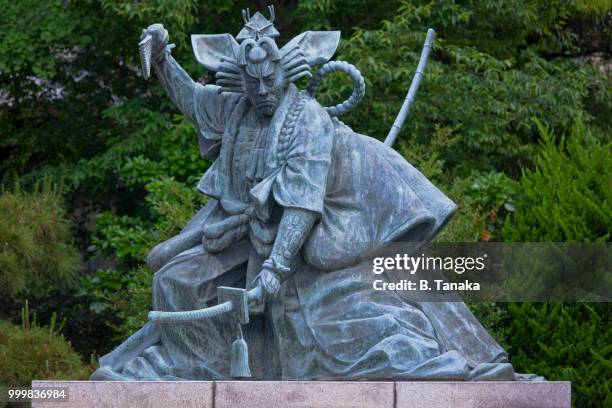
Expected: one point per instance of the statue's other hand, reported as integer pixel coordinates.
(270, 282)
(159, 36)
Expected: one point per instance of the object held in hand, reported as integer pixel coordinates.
(231, 300)
(154, 40)
(145, 49)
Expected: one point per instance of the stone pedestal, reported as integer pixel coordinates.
(264, 394)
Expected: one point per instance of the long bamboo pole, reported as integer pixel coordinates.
(414, 86)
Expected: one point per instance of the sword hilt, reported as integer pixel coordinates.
(231, 300)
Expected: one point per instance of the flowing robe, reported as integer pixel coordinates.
(327, 322)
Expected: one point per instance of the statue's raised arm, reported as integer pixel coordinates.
(178, 84)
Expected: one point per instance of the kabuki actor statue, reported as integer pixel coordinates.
(266, 281)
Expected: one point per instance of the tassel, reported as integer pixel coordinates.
(240, 357)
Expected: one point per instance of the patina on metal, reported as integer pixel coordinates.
(273, 263)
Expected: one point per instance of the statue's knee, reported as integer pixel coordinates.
(158, 256)
(163, 252)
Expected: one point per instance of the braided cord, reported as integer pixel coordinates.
(358, 86)
(294, 111)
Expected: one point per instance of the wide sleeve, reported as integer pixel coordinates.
(302, 179)
(212, 112)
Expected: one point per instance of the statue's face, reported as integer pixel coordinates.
(265, 89)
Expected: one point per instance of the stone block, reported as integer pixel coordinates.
(131, 394)
(303, 394)
(311, 394)
(484, 394)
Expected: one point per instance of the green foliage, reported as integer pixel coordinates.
(493, 194)
(176, 15)
(480, 93)
(36, 251)
(122, 294)
(568, 196)
(29, 351)
(57, 73)
(559, 341)
(566, 342)
(87, 328)
(135, 302)
(127, 291)
(483, 201)
(132, 130)
(29, 48)
(170, 202)
(100, 287)
(332, 14)
(79, 114)
(467, 223)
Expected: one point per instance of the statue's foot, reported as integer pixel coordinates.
(106, 373)
(528, 377)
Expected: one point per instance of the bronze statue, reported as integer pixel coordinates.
(297, 199)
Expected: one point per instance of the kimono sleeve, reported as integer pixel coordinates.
(302, 180)
(212, 111)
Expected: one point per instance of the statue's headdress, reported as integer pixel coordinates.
(254, 49)
(257, 26)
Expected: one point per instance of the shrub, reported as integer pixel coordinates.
(29, 352)
(135, 302)
(567, 197)
(121, 298)
(36, 250)
(466, 225)
(127, 291)
(493, 194)
(87, 325)
(565, 342)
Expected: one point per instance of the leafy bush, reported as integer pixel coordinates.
(36, 251)
(566, 342)
(467, 223)
(567, 197)
(122, 299)
(493, 194)
(171, 204)
(87, 326)
(29, 352)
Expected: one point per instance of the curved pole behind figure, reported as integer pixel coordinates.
(414, 86)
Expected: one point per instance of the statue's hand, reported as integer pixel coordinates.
(159, 37)
(269, 281)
